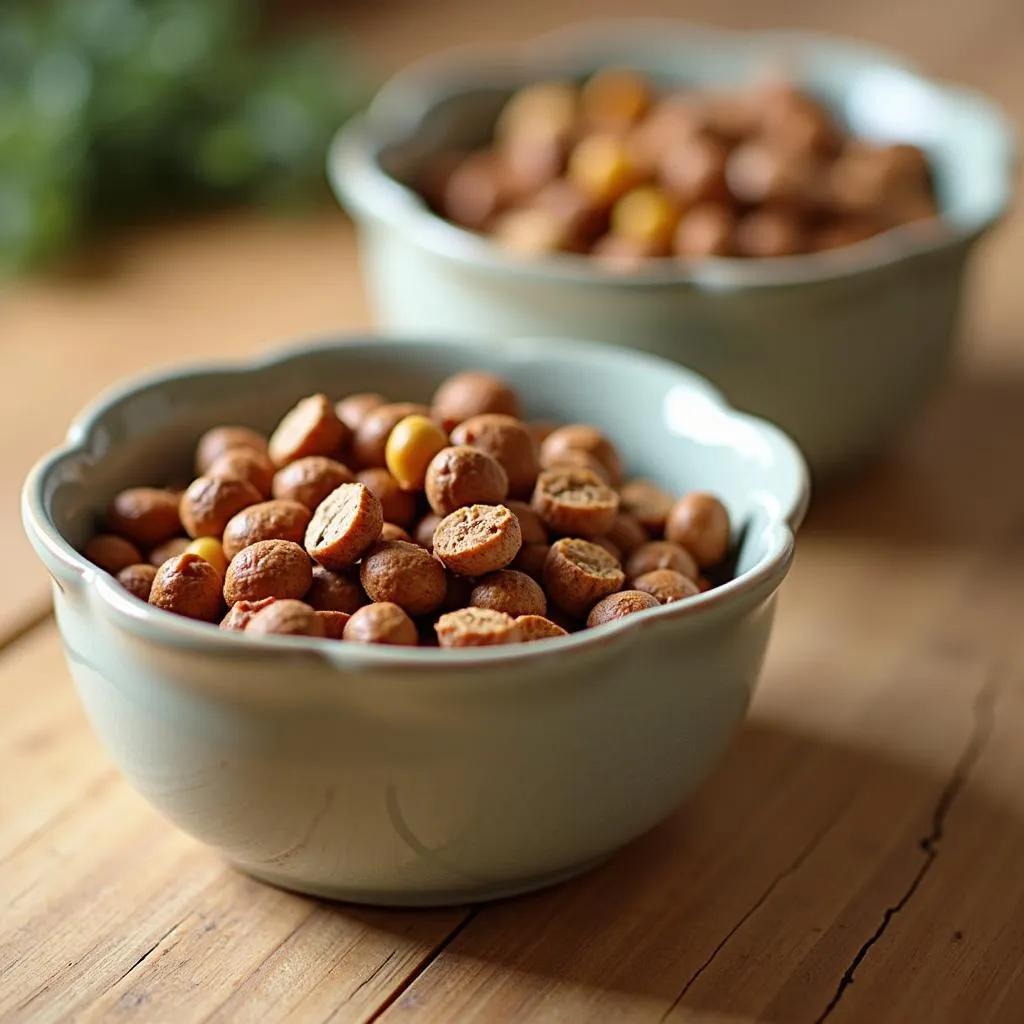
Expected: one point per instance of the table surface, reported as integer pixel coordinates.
(856, 858)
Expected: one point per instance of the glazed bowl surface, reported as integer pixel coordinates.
(419, 776)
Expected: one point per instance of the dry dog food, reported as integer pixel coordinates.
(457, 523)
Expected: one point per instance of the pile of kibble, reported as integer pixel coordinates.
(388, 522)
(612, 169)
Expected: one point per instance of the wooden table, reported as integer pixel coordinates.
(857, 857)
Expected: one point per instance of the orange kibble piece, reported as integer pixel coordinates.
(646, 216)
(600, 167)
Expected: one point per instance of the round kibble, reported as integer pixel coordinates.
(769, 233)
(459, 476)
(646, 216)
(575, 458)
(369, 445)
(476, 627)
(411, 445)
(583, 437)
(575, 502)
(245, 464)
(137, 580)
(700, 523)
(355, 408)
(509, 591)
(169, 548)
(112, 553)
(507, 440)
(344, 525)
(286, 618)
(547, 109)
(188, 585)
(646, 502)
(309, 480)
(601, 167)
(218, 440)
(660, 554)
(424, 532)
(693, 170)
(212, 550)
(389, 531)
(666, 585)
(403, 574)
(706, 230)
(531, 527)
(618, 606)
(475, 191)
(268, 568)
(397, 506)
(381, 623)
(333, 623)
(531, 559)
(537, 627)
(578, 574)
(311, 428)
(241, 612)
(477, 540)
(473, 393)
(626, 533)
(209, 503)
(334, 592)
(280, 519)
(147, 516)
(614, 99)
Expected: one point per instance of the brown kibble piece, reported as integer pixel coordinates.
(459, 476)
(477, 540)
(188, 585)
(369, 445)
(508, 441)
(693, 170)
(169, 548)
(333, 623)
(700, 523)
(647, 502)
(626, 533)
(473, 393)
(310, 480)
(403, 574)
(511, 592)
(218, 440)
(311, 428)
(344, 525)
(769, 233)
(268, 568)
(398, 506)
(280, 519)
(531, 559)
(660, 554)
(582, 437)
(241, 612)
(706, 230)
(576, 458)
(530, 526)
(666, 585)
(146, 516)
(424, 532)
(209, 503)
(286, 617)
(334, 592)
(245, 464)
(617, 606)
(111, 553)
(382, 623)
(389, 531)
(355, 408)
(578, 573)
(476, 627)
(575, 501)
(137, 580)
(537, 627)
(475, 191)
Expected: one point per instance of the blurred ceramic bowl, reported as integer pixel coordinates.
(404, 775)
(839, 348)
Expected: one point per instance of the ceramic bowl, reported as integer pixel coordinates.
(840, 349)
(419, 776)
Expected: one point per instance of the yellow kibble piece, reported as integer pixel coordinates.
(600, 167)
(411, 446)
(645, 215)
(209, 549)
(615, 98)
(545, 110)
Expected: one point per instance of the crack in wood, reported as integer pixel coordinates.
(373, 974)
(981, 734)
(152, 949)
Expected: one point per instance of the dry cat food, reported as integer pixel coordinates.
(621, 171)
(457, 524)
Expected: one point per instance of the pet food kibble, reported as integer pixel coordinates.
(666, 585)
(507, 440)
(531, 559)
(146, 516)
(476, 627)
(369, 446)
(334, 592)
(575, 502)
(756, 173)
(706, 230)
(245, 464)
(280, 519)
(601, 168)
(577, 574)
(511, 592)
(212, 550)
(188, 585)
(476, 191)
(411, 445)
(700, 523)
(473, 393)
(137, 580)
(647, 503)
(693, 171)
(646, 216)
(770, 232)
(389, 531)
(381, 623)
(477, 540)
(404, 574)
(268, 568)
(209, 503)
(215, 442)
(546, 109)
(459, 476)
(537, 627)
(355, 408)
(286, 617)
(169, 548)
(576, 458)
(585, 438)
(532, 232)
(334, 624)
(111, 553)
(660, 554)
(424, 532)
(344, 525)
(241, 612)
(311, 428)
(531, 528)
(397, 506)
(614, 99)
(310, 480)
(617, 606)
(626, 533)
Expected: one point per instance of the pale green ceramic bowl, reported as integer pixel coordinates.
(417, 776)
(840, 349)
